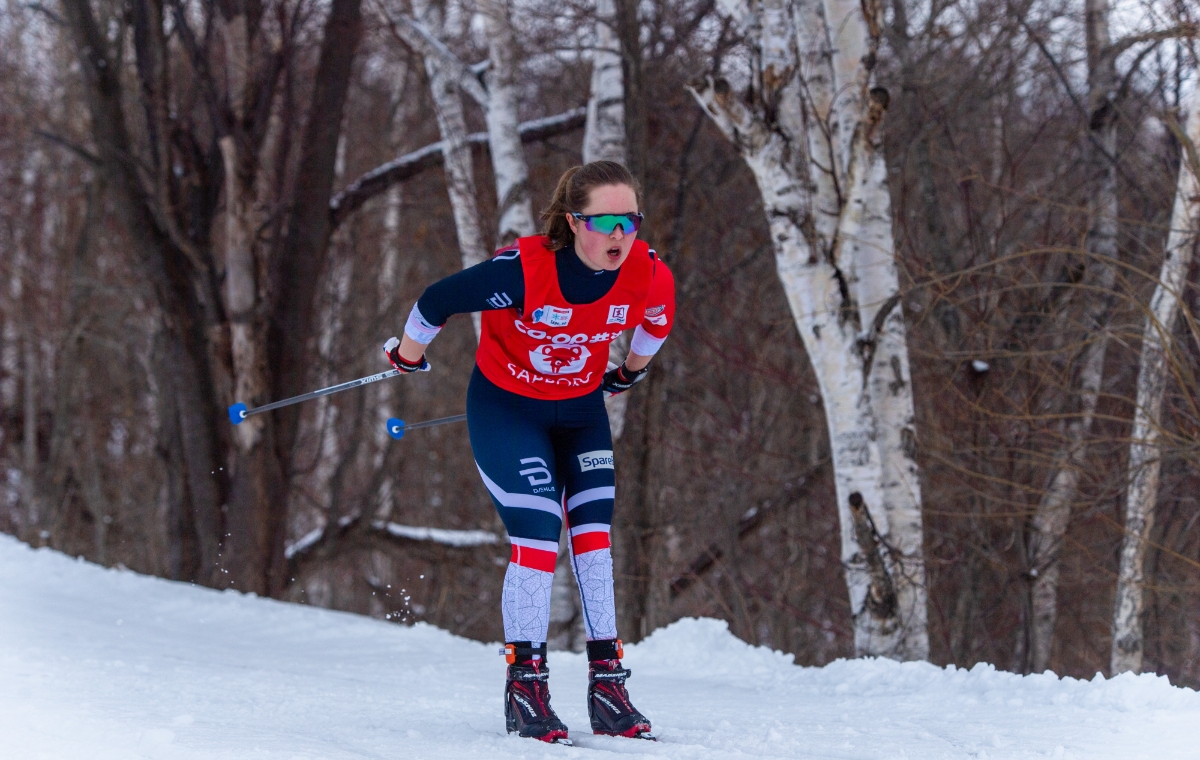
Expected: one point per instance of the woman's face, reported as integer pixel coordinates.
(595, 249)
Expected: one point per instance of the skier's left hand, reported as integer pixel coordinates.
(392, 350)
(621, 379)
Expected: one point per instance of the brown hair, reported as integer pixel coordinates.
(574, 187)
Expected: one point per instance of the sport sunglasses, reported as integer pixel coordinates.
(606, 223)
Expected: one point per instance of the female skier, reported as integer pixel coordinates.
(539, 431)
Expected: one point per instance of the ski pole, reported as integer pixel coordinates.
(396, 427)
(239, 412)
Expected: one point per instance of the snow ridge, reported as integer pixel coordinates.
(105, 664)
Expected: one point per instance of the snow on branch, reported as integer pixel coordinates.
(350, 530)
(379, 179)
(306, 542)
(458, 538)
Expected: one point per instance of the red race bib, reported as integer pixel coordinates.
(554, 349)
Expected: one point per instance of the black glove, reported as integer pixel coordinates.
(392, 350)
(622, 379)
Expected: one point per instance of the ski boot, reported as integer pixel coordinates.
(609, 707)
(527, 710)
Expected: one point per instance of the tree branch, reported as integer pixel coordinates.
(78, 150)
(379, 179)
(1123, 44)
(729, 113)
(414, 34)
(352, 533)
(881, 595)
(54, 17)
(1080, 107)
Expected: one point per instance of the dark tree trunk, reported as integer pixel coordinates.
(629, 32)
(183, 368)
(258, 507)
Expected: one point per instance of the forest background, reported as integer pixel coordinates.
(209, 202)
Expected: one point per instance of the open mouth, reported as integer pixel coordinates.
(614, 252)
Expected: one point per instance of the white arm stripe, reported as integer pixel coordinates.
(645, 344)
(418, 328)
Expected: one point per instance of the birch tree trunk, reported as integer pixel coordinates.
(1144, 457)
(460, 173)
(498, 99)
(1053, 513)
(604, 134)
(246, 333)
(385, 393)
(513, 207)
(866, 243)
(604, 140)
(834, 254)
(242, 300)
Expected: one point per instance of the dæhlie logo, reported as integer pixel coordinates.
(559, 359)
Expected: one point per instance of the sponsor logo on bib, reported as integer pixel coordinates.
(654, 311)
(617, 314)
(559, 359)
(596, 460)
(552, 316)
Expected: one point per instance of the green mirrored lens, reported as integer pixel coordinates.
(606, 223)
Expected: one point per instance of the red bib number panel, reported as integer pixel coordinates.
(554, 349)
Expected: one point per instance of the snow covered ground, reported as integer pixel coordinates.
(102, 664)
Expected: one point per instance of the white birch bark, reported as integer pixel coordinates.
(1053, 514)
(1145, 461)
(241, 294)
(865, 244)
(604, 140)
(513, 206)
(240, 219)
(499, 101)
(604, 134)
(849, 42)
(24, 290)
(389, 282)
(9, 351)
(826, 176)
(460, 173)
(835, 260)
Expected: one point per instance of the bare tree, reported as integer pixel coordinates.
(460, 174)
(604, 137)
(218, 342)
(1159, 354)
(819, 165)
(493, 85)
(1049, 522)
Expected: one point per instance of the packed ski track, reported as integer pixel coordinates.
(103, 664)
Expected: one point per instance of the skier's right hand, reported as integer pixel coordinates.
(392, 350)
